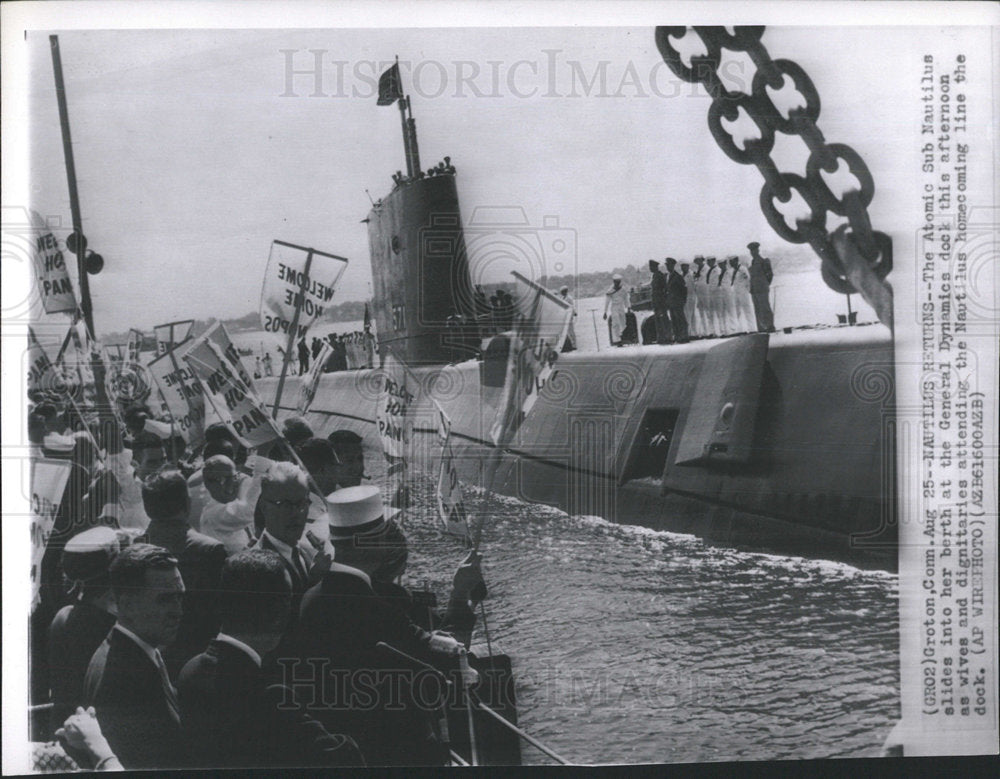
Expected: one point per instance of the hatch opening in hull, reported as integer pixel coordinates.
(648, 455)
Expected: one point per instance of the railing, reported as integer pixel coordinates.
(472, 700)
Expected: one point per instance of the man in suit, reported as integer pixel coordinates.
(350, 450)
(676, 298)
(760, 288)
(79, 628)
(199, 557)
(319, 459)
(232, 717)
(344, 617)
(661, 315)
(127, 679)
(283, 507)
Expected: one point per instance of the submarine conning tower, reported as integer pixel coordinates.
(420, 269)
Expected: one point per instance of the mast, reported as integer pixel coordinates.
(80, 246)
(409, 126)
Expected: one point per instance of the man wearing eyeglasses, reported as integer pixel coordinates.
(284, 508)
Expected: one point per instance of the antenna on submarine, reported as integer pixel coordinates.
(409, 130)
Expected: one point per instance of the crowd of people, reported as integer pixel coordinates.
(494, 314)
(705, 298)
(348, 351)
(221, 607)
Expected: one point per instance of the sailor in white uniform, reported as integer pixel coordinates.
(700, 323)
(727, 305)
(713, 304)
(745, 317)
(691, 303)
(616, 303)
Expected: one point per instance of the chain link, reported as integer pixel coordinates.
(874, 247)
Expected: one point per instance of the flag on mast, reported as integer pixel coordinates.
(390, 87)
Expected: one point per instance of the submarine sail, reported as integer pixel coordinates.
(419, 264)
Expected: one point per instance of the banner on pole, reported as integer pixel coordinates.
(48, 483)
(228, 388)
(39, 366)
(540, 327)
(171, 334)
(51, 272)
(307, 387)
(71, 375)
(394, 401)
(451, 507)
(288, 287)
(182, 394)
(394, 425)
(134, 347)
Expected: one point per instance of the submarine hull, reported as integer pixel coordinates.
(780, 443)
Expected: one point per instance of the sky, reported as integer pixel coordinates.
(196, 148)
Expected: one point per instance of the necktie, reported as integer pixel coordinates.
(300, 565)
(168, 689)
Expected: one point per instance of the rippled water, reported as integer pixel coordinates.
(631, 645)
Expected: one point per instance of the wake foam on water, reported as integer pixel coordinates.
(749, 561)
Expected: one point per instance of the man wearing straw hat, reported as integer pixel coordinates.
(366, 536)
(346, 615)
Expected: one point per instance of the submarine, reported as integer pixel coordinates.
(774, 442)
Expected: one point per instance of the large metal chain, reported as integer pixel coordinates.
(845, 274)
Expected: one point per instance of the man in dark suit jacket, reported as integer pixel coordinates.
(760, 288)
(676, 298)
(365, 691)
(232, 717)
(80, 628)
(199, 558)
(661, 312)
(127, 679)
(283, 512)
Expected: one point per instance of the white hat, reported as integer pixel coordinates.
(57, 442)
(616, 277)
(357, 507)
(159, 429)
